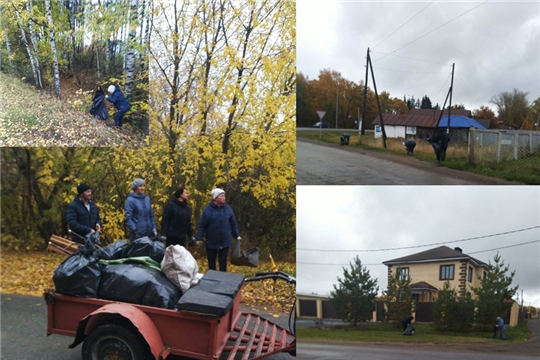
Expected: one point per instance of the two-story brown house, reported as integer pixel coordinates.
(430, 269)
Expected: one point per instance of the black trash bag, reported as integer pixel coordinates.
(138, 284)
(98, 109)
(409, 330)
(244, 258)
(112, 251)
(145, 247)
(78, 275)
(439, 142)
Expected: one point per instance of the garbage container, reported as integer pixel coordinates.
(345, 139)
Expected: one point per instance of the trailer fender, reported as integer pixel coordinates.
(136, 317)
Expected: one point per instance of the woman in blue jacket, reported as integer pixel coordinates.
(219, 224)
(139, 217)
(119, 102)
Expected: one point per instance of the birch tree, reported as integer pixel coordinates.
(8, 46)
(131, 53)
(37, 79)
(53, 47)
(33, 39)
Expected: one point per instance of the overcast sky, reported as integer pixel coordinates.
(495, 46)
(382, 217)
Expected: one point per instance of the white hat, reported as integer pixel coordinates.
(216, 192)
(111, 88)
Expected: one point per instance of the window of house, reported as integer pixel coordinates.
(403, 273)
(485, 275)
(415, 297)
(447, 272)
(470, 274)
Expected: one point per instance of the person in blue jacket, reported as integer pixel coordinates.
(139, 215)
(82, 215)
(501, 327)
(219, 225)
(119, 102)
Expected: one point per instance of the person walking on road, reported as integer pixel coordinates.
(176, 222)
(82, 215)
(139, 215)
(219, 225)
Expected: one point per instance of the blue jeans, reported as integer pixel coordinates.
(503, 337)
(119, 117)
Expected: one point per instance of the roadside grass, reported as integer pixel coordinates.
(29, 117)
(525, 170)
(424, 333)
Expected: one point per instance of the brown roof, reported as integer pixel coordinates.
(418, 117)
(441, 253)
(423, 286)
(485, 122)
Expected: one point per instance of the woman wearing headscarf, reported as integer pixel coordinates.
(176, 221)
(219, 224)
(139, 215)
(120, 103)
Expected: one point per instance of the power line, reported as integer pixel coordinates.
(409, 58)
(413, 72)
(434, 30)
(475, 252)
(418, 246)
(405, 23)
(506, 247)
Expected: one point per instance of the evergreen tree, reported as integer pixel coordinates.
(494, 293)
(426, 103)
(399, 303)
(452, 312)
(354, 299)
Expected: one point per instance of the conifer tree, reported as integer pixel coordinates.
(399, 302)
(354, 299)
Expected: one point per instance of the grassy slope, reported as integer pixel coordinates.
(31, 118)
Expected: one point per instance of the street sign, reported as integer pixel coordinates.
(321, 114)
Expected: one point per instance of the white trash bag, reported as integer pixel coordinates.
(180, 267)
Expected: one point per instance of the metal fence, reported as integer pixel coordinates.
(496, 146)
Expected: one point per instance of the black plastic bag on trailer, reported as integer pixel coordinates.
(145, 247)
(138, 284)
(244, 258)
(99, 109)
(112, 251)
(78, 275)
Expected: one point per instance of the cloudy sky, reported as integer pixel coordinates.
(382, 217)
(495, 46)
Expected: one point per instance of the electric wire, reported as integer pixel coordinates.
(409, 58)
(446, 23)
(426, 245)
(413, 72)
(405, 23)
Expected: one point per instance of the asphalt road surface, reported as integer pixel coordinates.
(24, 332)
(317, 351)
(319, 163)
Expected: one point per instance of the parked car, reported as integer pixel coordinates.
(323, 125)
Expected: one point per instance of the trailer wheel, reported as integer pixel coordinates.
(113, 342)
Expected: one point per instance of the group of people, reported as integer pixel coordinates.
(217, 224)
(116, 97)
(439, 142)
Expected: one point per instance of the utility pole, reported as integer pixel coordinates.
(378, 103)
(337, 102)
(365, 99)
(450, 105)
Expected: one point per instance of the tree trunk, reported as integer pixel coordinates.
(53, 47)
(129, 68)
(25, 41)
(8, 47)
(33, 40)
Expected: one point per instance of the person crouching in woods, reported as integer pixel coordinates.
(219, 224)
(176, 222)
(98, 109)
(410, 145)
(82, 215)
(120, 103)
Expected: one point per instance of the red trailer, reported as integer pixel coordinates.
(119, 330)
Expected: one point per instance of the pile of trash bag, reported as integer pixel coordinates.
(144, 272)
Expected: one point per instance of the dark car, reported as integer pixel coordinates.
(323, 125)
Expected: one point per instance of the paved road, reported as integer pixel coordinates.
(317, 351)
(24, 328)
(319, 163)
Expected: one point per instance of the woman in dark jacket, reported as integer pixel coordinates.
(219, 224)
(176, 222)
(119, 102)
